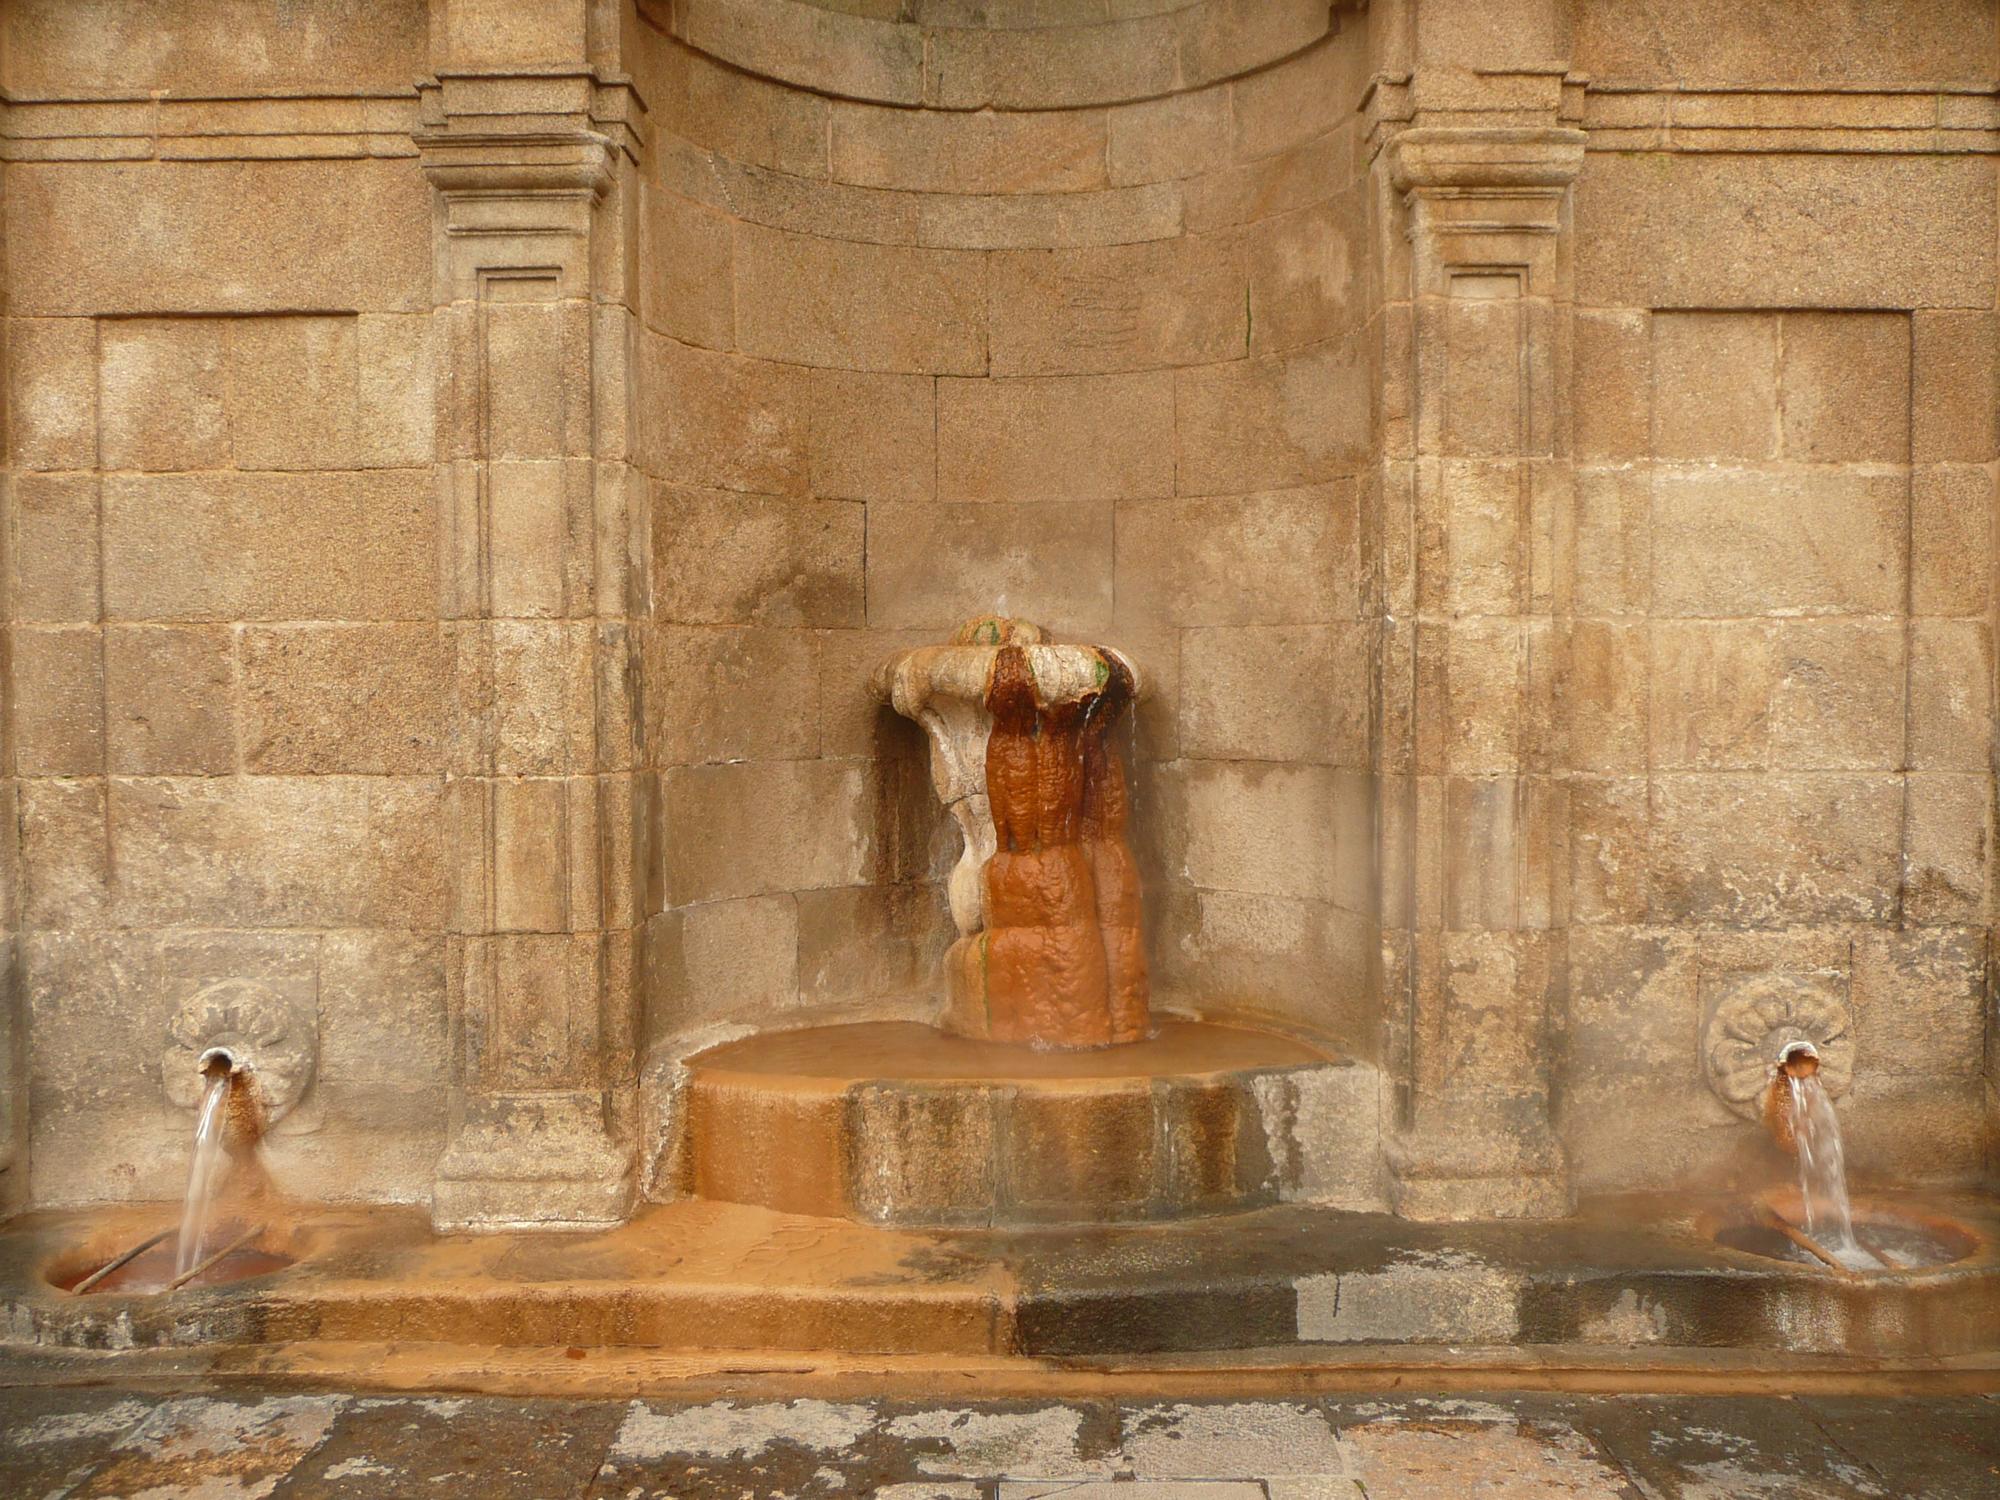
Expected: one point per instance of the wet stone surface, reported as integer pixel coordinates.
(67, 1444)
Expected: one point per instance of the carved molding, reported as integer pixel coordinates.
(270, 1040)
(1757, 1019)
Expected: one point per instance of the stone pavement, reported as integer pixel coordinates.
(69, 1444)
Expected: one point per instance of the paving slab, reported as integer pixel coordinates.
(500, 1449)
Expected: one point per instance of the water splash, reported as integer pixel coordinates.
(1823, 1174)
(205, 1172)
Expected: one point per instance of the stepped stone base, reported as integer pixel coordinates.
(897, 1123)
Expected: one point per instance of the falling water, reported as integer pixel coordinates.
(1823, 1175)
(204, 1172)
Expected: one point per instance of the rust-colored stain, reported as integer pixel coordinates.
(1061, 963)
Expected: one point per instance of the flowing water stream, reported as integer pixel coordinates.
(1823, 1175)
(205, 1172)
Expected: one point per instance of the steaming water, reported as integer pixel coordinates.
(204, 1174)
(1823, 1176)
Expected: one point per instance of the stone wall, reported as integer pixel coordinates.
(1052, 319)
(226, 683)
(463, 460)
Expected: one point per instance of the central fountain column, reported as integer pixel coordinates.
(1046, 892)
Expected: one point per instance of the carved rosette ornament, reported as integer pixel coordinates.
(1045, 893)
(270, 1043)
(1757, 1020)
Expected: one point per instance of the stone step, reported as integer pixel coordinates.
(1301, 1283)
(899, 1124)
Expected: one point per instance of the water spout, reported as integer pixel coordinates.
(208, 1165)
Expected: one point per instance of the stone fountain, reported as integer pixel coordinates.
(1045, 893)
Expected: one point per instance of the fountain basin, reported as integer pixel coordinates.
(1906, 1238)
(243, 1256)
(898, 1123)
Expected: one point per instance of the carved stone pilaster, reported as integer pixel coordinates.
(540, 574)
(1475, 488)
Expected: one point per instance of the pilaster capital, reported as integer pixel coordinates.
(556, 132)
(1428, 158)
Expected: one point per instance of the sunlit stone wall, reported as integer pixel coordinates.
(1543, 453)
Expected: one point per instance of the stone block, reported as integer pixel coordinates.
(1913, 1130)
(1051, 68)
(1265, 955)
(923, 1154)
(1837, 703)
(535, 688)
(344, 698)
(1305, 268)
(687, 269)
(1485, 662)
(294, 393)
(57, 680)
(744, 118)
(1429, 1298)
(1772, 850)
(1228, 37)
(1045, 221)
(54, 551)
(225, 236)
(1951, 695)
(852, 720)
(1280, 693)
(1609, 695)
(1081, 438)
(856, 56)
(126, 47)
(1634, 1008)
(732, 694)
(1269, 422)
(1715, 385)
(170, 693)
(1954, 386)
(1254, 190)
(284, 851)
(396, 359)
(269, 546)
(383, 1019)
(1918, 1002)
(1608, 856)
(65, 858)
(1844, 387)
(720, 419)
(1951, 539)
(723, 959)
(1298, 98)
(1077, 1155)
(1323, 1133)
(724, 558)
(873, 436)
(1948, 848)
(1176, 135)
(1118, 307)
(1290, 557)
(1613, 383)
(1713, 41)
(162, 393)
(872, 943)
(935, 151)
(52, 392)
(812, 300)
(1614, 541)
(1714, 682)
(758, 828)
(1808, 230)
(1262, 828)
(770, 1146)
(935, 565)
(1738, 542)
